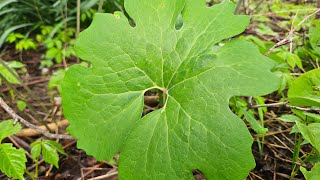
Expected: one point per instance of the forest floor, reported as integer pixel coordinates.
(273, 155)
(275, 161)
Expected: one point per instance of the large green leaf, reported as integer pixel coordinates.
(305, 90)
(195, 129)
(311, 133)
(7, 128)
(314, 174)
(12, 161)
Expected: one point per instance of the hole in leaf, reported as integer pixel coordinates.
(153, 99)
(179, 22)
(198, 175)
(213, 2)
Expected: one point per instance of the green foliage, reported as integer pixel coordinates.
(195, 128)
(21, 105)
(12, 160)
(314, 36)
(26, 44)
(17, 14)
(314, 174)
(292, 59)
(8, 71)
(56, 80)
(290, 118)
(7, 128)
(13, 37)
(58, 45)
(49, 150)
(311, 133)
(284, 60)
(254, 123)
(305, 90)
(22, 42)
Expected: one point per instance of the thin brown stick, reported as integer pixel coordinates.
(270, 105)
(17, 118)
(19, 146)
(108, 175)
(288, 38)
(275, 170)
(29, 132)
(285, 103)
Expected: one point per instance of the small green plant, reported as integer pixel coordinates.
(194, 128)
(302, 92)
(305, 90)
(12, 160)
(21, 42)
(58, 45)
(49, 151)
(21, 105)
(56, 80)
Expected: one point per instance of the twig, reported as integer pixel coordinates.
(22, 143)
(288, 38)
(29, 132)
(270, 105)
(275, 170)
(279, 104)
(17, 118)
(108, 175)
(19, 146)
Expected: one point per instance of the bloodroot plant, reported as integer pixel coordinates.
(195, 129)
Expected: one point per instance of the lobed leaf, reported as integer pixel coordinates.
(195, 129)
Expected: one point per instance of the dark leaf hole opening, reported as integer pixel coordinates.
(153, 99)
(198, 175)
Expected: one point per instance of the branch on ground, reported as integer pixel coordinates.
(18, 118)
